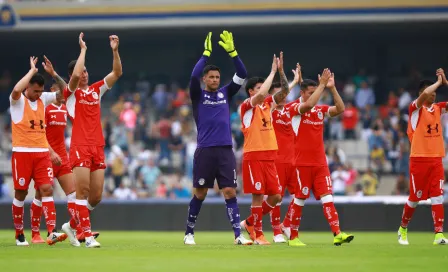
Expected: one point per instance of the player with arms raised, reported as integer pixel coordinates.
(312, 169)
(260, 148)
(425, 132)
(87, 142)
(30, 155)
(214, 158)
(284, 162)
(56, 121)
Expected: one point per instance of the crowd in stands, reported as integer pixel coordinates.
(151, 138)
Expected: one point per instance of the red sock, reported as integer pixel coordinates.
(275, 219)
(71, 206)
(408, 211)
(49, 213)
(255, 219)
(266, 208)
(83, 217)
(17, 216)
(287, 220)
(438, 217)
(296, 216)
(332, 217)
(36, 214)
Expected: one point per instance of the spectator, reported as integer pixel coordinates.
(117, 165)
(364, 96)
(164, 135)
(124, 193)
(339, 178)
(349, 121)
(352, 178)
(378, 158)
(401, 188)
(349, 91)
(404, 100)
(369, 183)
(162, 190)
(149, 174)
(129, 118)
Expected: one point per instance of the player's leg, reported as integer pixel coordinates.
(36, 215)
(21, 174)
(275, 214)
(417, 187)
(226, 178)
(304, 177)
(291, 182)
(436, 196)
(323, 188)
(254, 183)
(273, 191)
(66, 180)
(204, 172)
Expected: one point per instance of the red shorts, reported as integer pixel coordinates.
(64, 168)
(31, 165)
(287, 174)
(87, 156)
(260, 177)
(426, 180)
(315, 178)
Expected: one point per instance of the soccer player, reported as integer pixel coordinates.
(87, 142)
(214, 158)
(312, 169)
(260, 148)
(56, 121)
(30, 157)
(425, 132)
(284, 162)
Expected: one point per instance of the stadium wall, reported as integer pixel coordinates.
(165, 216)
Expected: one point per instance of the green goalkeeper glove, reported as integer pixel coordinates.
(227, 43)
(208, 45)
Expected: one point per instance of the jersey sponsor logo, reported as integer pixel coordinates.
(265, 123)
(430, 128)
(208, 102)
(55, 123)
(82, 101)
(309, 122)
(278, 121)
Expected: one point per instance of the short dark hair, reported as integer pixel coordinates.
(209, 68)
(71, 67)
(38, 79)
(252, 82)
(307, 83)
(425, 83)
(274, 85)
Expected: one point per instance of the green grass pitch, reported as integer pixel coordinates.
(165, 251)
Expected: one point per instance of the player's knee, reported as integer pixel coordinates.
(229, 193)
(95, 199)
(20, 194)
(82, 192)
(277, 198)
(200, 193)
(46, 190)
(437, 200)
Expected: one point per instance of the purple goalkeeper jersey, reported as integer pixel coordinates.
(211, 110)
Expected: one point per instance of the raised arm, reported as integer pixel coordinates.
(281, 95)
(314, 98)
(21, 85)
(297, 77)
(430, 89)
(117, 69)
(339, 106)
(79, 66)
(228, 44)
(195, 80)
(48, 66)
(259, 97)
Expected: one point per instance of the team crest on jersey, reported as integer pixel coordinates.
(258, 186)
(21, 181)
(419, 194)
(201, 181)
(95, 95)
(320, 115)
(305, 190)
(220, 95)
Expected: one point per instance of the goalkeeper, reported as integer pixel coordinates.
(214, 157)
